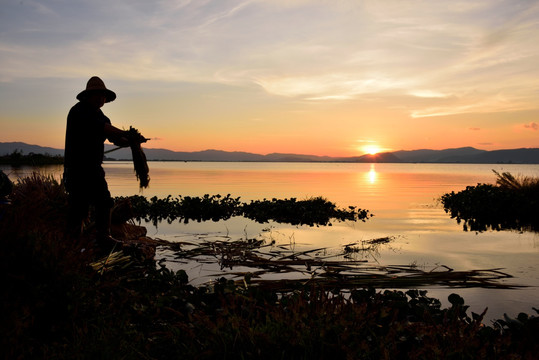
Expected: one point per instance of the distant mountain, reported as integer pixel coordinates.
(379, 158)
(510, 156)
(458, 155)
(7, 148)
(436, 156)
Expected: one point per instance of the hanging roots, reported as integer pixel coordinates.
(139, 159)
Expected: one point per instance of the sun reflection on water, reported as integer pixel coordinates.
(371, 175)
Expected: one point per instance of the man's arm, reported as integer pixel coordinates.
(116, 136)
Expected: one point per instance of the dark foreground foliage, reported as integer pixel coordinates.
(513, 204)
(314, 211)
(56, 306)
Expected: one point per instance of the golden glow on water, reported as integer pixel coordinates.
(371, 175)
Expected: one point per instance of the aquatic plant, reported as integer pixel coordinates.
(259, 260)
(314, 211)
(513, 203)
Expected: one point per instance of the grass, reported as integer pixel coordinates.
(62, 300)
(527, 184)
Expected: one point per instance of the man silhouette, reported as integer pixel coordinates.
(86, 131)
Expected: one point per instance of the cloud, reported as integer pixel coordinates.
(532, 126)
(427, 94)
(479, 104)
(339, 86)
(474, 128)
(316, 50)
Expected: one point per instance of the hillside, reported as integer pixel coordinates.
(7, 148)
(458, 155)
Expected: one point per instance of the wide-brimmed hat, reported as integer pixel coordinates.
(96, 84)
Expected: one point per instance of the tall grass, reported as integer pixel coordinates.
(507, 181)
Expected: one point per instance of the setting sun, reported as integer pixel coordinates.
(371, 149)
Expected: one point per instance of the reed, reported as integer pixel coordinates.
(507, 181)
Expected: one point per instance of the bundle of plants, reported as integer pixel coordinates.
(139, 158)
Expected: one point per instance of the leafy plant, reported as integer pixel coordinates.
(513, 203)
(315, 211)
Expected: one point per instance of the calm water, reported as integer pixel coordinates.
(403, 198)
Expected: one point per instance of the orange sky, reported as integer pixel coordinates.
(309, 77)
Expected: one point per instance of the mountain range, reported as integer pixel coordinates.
(457, 155)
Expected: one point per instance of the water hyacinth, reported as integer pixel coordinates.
(513, 203)
(315, 211)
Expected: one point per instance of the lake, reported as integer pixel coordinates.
(402, 197)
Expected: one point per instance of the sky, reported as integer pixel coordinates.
(320, 77)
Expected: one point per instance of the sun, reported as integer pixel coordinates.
(371, 149)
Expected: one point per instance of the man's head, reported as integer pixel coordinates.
(96, 93)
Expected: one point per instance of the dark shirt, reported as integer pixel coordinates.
(85, 138)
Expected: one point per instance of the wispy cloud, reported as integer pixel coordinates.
(312, 49)
(427, 94)
(479, 104)
(532, 126)
(330, 86)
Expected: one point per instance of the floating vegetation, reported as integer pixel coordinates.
(511, 204)
(367, 247)
(339, 278)
(321, 267)
(315, 211)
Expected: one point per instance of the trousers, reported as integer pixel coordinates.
(87, 189)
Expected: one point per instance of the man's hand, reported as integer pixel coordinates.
(135, 137)
(124, 138)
